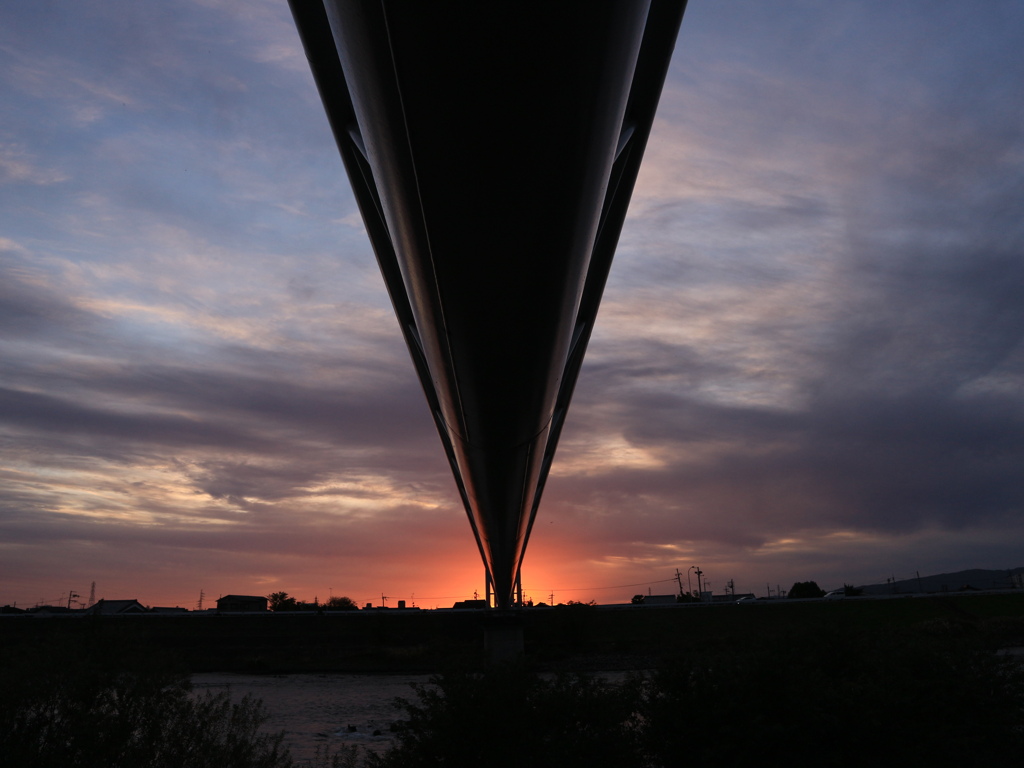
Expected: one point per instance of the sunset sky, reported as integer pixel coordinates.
(809, 361)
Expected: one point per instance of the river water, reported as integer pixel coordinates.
(329, 711)
(321, 711)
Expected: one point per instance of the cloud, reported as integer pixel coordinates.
(17, 165)
(30, 309)
(808, 362)
(810, 327)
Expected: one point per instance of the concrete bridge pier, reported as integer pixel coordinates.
(503, 637)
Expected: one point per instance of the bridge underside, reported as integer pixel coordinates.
(492, 149)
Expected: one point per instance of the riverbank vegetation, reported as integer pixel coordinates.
(98, 702)
(932, 696)
(809, 684)
(578, 637)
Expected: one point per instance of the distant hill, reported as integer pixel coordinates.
(976, 578)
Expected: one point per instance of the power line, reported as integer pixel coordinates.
(618, 586)
(560, 589)
(438, 597)
(422, 598)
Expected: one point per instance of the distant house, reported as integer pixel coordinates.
(462, 604)
(661, 599)
(47, 610)
(241, 604)
(116, 608)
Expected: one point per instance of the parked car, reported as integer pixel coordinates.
(746, 600)
(835, 594)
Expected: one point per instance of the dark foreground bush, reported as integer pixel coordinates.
(828, 700)
(509, 717)
(838, 700)
(96, 703)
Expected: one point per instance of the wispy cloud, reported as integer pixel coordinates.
(17, 165)
(809, 362)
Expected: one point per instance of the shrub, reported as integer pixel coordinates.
(804, 589)
(837, 699)
(98, 703)
(509, 717)
(828, 698)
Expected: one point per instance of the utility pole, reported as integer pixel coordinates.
(92, 595)
(699, 573)
(383, 600)
(70, 596)
(199, 605)
(679, 580)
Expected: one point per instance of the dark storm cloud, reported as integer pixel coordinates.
(619, 364)
(28, 311)
(704, 241)
(935, 325)
(853, 455)
(47, 414)
(366, 416)
(303, 431)
(911, 416)
(859, 355)
(869, 465)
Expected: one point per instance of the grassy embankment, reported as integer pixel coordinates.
(577, 637)
(852, 683)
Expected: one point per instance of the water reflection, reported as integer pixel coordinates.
(321, 710)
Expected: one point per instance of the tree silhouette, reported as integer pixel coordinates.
(341, 603)
(281, 601)
(804, 589)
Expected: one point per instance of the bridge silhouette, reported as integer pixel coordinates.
(493, 149)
